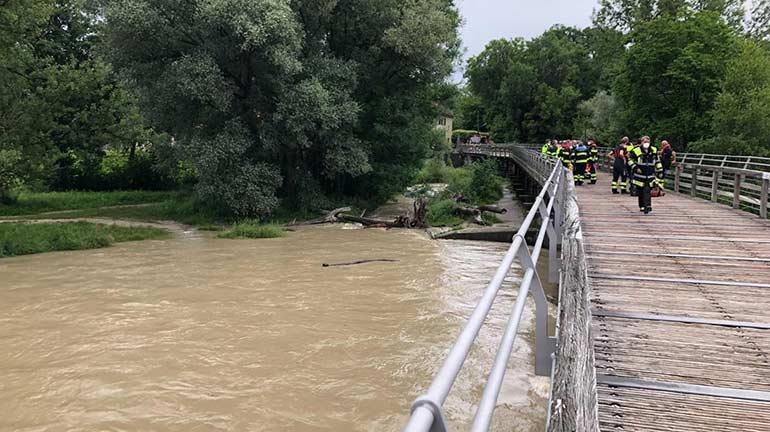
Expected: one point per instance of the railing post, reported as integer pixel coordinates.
(544, 344)
(737, 191)
(677, 177)
(763, 197)
(694, 181)
(717, 173)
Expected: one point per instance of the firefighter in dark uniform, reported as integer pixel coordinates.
(646, 170)
(619, 168)
(553, 149)
(565, 154)
(593, 151)
(629, 148)
(580, 158)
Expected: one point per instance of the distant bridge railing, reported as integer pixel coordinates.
(742, 182)
(426, 412)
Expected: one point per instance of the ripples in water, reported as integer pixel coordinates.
(195, 333)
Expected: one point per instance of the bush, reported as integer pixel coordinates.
(110, 170)
(442, 213)
(30, 238)
(252, 230)
(486, 184)
(9, 180)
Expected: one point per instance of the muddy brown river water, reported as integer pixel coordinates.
(199, 334)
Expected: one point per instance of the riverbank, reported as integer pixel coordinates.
(26, 238)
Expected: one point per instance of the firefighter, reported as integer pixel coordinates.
(619, 171)
(565, 155)
(544, 148)
(629, 149)
(580, 158)
(553, 149)
(593, 150)
(667, 157)
(646, 169)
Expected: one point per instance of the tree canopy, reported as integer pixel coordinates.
(681, 70)
(293, 99)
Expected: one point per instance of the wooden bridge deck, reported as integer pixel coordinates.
(681, 313)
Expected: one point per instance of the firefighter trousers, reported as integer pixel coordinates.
(645, 195)
(619, 173)
(579, 172)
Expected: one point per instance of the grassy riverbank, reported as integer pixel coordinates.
(252, 230)
(30, 203)
(31, 238)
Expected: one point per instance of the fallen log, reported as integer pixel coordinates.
(493, 209)
(332, 216)
(473, 212)
(358, 262)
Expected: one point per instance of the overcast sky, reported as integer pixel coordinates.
(485, 20)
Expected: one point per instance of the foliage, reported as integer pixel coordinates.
(629, 15)
(486, 184)
(528, 90)
(59, 103)
(436, 171)
(442, 213)
(741, 114)
(9, 176)
(30, 238)
(252, 230)
(271, 99)
(598, 118)
(671, 76)
(30, 203)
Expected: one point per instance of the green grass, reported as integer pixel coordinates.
(183, 210)
(442, 213)
(252, 230)
(31, 238)
(35, 203)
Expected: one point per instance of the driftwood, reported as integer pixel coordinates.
(417, 220)
(332, 216)
(358, 262)
(473, 212)
(493, 209)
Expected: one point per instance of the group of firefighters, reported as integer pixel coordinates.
(637, 169)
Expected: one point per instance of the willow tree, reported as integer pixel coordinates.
(273, 99)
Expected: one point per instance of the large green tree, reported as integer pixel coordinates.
(627, 15)
(741, 114)
(60, 105)
(671, 76)
(292, 99)
(531, 90)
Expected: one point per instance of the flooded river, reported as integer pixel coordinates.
(200, 334)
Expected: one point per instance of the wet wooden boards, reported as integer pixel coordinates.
(681, 312)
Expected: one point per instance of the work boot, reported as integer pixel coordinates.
(593, 181)
(615, 192)
(648, 210)
(624, 192)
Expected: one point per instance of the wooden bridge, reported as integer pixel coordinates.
(664, 319)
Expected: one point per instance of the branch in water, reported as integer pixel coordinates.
(359, 262)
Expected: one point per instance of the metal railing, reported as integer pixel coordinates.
(426, 412)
